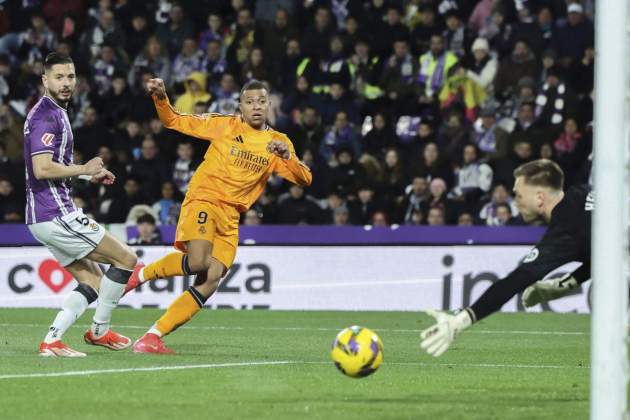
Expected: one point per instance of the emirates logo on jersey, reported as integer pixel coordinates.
(47, 139)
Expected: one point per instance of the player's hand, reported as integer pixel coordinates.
(156, 88)
(437, 338)
(104, 177)
(279, 148)
(549, 289)
(93, 166)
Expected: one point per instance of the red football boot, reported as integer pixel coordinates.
(151, 343)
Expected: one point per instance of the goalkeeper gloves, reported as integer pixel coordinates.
(437, 338)
(545, 290)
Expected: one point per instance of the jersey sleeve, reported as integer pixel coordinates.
(293, 169)
(555, 249)
(205, 126)
(43, 133)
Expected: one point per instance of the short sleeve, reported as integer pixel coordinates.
(42, 133)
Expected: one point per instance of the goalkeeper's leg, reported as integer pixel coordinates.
(550, 289)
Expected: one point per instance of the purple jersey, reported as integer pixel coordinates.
(47, 130)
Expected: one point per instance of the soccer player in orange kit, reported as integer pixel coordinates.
(244, 153)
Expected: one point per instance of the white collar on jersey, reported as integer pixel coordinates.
(55, 102)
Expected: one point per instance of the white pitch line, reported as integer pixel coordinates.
(472, 365)
(230, 328)
(143, 369)
(273, 363)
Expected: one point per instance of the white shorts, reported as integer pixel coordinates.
(69, 238)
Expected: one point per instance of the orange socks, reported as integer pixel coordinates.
(173, 264)
(180, 311)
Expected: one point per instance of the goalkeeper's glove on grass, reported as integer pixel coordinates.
(437, 338)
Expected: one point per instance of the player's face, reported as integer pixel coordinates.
(254, 106)
(60, 82)
(529, 200)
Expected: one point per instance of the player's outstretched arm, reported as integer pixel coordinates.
(45, 168)
(192, 125)
(288, 166)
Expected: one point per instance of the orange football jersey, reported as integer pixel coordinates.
(237, 165)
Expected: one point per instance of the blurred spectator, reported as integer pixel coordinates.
(252, 218)
(255, 67)
(578, 34)
(184, 167)
(316, 37)
(299, 99)
(9, 199)
(522, 152)
(433, 165)
(488, 136)
(500, 196)
(121, 204)
(341, 216)
(521, 63)
(138, 35)
(341, 135)
(91, 135)
(153, 59)
(216, 32)
(458, 37)
(106, 31)
(277, 35)
(225, 96)
(399, 72)
(394, 177)
(195, 86)
(483, 69)
(435, 217)
(104, 68)
(438, 199)
(434, 67)
(379, 219)
(346, 176)
(150, 169)
(465, 219)
(173, 32)
(415, 201)
(308, 132)
(473, 178)
(213, 63)
(168, 206)
(11, 133)
(555, 100)
(380, 138)
(338, 101)
(147, 232)
(188, 61)
(295, 207)
(364, 207)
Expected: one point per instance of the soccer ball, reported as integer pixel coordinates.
(357, 351)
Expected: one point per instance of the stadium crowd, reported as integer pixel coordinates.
(407, 112)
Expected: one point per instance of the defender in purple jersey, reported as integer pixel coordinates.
(77, 241)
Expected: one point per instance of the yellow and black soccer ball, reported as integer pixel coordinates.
(357, 351)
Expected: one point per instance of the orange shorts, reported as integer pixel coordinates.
(212, 222)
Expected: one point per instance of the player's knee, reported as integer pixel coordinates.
(129, 259)
(198, 262)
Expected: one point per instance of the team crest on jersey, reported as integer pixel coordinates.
(533, 254)
(47, 139)
(202, 230)
(94, 226)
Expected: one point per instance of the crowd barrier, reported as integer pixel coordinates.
(318, 268)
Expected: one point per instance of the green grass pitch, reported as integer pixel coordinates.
(276, 365)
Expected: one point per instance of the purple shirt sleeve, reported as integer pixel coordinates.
(43, 135)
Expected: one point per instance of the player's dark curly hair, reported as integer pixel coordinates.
(541, 173)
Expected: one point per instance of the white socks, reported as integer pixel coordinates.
(72, 308)
(112, 287)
